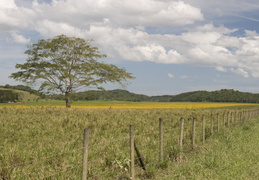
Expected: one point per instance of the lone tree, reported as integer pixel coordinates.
(65, 64)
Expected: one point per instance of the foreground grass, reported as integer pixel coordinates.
(46, 143)
(232, 154)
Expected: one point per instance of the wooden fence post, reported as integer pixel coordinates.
(218, 122)
(227, 118)
(232, 118)
(235, 118)
(203, 128)
(132, 169)
(211, 124)
(181, 132)
(161, 153)
(193, 132)
(224, 122)
(181, 138)
(85, 153)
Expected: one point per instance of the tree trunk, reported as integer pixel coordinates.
(68, 104)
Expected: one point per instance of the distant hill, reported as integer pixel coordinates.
(18, 93)
(117, 94)
(223, 95)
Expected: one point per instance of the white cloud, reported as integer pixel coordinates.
(255, 74)
(170, 75)
(119, 29)
(221, 69)
(156, 53)
(19, 39)
(240, 71)
(211, 28)
(175, 13)
(225, 6)
(121, 13)
(251, 33)
(49, 28)
(7, 4)
(13, 18)
(229, 42)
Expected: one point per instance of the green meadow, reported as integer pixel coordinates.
(45, 142)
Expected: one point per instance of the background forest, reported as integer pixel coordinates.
(9, 93)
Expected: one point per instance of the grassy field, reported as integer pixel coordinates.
(45, 142)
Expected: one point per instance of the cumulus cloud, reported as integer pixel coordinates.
(222, 7)
(174, 13)
(240, 72)
(119, 29)
(13, 18)
(49, 28)
(221, 69)
(121, 13)
(7, 4)
(155, 53)
(19, 39)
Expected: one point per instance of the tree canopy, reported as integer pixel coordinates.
(66, 64)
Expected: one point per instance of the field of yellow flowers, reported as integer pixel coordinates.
(127, 105)
(152, 105)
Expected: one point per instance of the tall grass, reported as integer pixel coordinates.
(231, 154)
(46, 142)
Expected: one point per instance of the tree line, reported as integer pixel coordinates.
(24, 88)
(9, 93)
(223, 95)
(117, 95)
(8, 96)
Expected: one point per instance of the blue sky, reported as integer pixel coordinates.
(170, 46)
